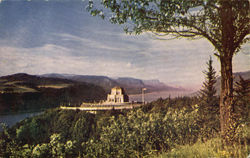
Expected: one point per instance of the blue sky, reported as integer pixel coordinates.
(61, 37)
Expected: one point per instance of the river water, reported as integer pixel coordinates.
(12, 119)
(149, 97)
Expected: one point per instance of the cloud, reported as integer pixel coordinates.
(52, 58)
(33, 60)
(91, 43)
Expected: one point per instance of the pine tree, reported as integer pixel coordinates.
(242, 99)
(208, 91)
(209, 104)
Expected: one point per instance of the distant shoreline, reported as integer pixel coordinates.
(152, 96)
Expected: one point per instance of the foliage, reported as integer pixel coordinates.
(55, 148)
(163, 126)
(209, 107)
(157, 132)
(242, 97)
(179, 18)
(208, 90)
(210, 148)
(30, 132)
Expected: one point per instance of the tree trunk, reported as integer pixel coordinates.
(226, 55)
(226, 100)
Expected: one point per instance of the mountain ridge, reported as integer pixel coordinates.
(130, 84)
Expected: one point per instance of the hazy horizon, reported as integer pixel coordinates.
(61, 37)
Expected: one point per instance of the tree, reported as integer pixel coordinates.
(242, 97)
(81, 130)
(208, 108)
(55, 148)
(208, 91)
(224, 23)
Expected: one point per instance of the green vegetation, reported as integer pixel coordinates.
(169, 126)
(209, 105)
(242, 103)
(208, 91)
(165, 128)
(211, 148)
(57, 86)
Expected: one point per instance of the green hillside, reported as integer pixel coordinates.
(23, 92)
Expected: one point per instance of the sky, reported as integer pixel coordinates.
(38, 37)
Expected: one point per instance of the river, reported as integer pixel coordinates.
(12, 119)
(149, 97)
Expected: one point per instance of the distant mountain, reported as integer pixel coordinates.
(22, 92)
(37, 80)
(131, 85)
(130, 82)
(245, 75)
(103, 81)
(156, 84)
(55, 75)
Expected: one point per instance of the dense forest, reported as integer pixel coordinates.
(49, 97)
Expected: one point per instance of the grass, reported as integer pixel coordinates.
(209, 149)
(15, 88)
(56, 86)
(22, 89)
(3, 80)
(12, 82)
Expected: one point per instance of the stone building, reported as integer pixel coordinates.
(117, 95)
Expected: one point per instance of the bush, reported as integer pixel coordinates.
(141, 134)
(210, 148)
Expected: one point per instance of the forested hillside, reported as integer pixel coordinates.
(23, 92)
